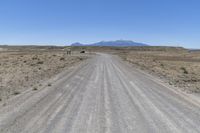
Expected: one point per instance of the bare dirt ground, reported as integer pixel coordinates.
(21, 69)
(178, 67)
(57, 93)
(102, 95)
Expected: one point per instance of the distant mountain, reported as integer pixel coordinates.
(119, 43)
(77, 44)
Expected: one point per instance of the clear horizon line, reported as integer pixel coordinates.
(70, 45)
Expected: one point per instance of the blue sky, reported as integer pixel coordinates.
(156, 22)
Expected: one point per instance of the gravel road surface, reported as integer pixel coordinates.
(102, 95)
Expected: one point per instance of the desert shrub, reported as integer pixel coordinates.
(35, 88)
(34, 58)
(184, 70)
(40, 62)
(62, 58)
(162, 65)
(16, 93)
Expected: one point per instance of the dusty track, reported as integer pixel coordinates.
(101, 96)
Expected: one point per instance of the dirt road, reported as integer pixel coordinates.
(102, 95)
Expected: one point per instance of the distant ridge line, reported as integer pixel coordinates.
(119, 43)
